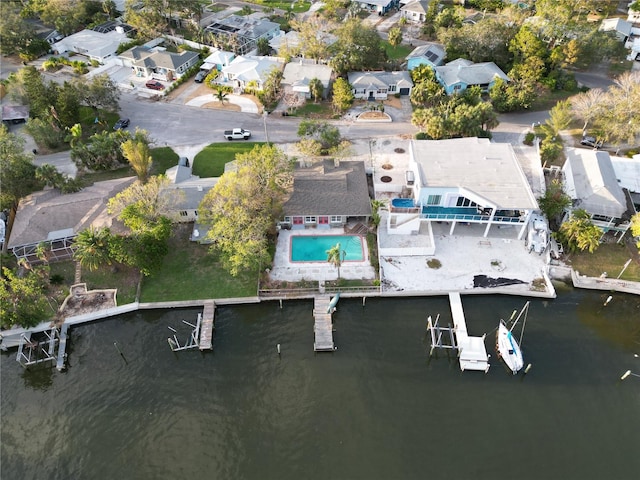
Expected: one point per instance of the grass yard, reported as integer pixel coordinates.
(314, 110)
(610, 258)
(298, 7)
(189, 272)
(397, 52)
(211, 160)
(163, 158)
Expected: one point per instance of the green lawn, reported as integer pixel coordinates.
(314, 110)
(163, 158)
(608, 258)
(397, 52)
(189, 272)
(211, 160)
(298, 7)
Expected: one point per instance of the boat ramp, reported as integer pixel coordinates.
(472, 352)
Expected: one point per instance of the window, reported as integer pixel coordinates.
(434, 199)
(287, 219)
(392, 88)
(336, 218)
(309, 219)
(184, 213)
(297, 220)
(465, 202)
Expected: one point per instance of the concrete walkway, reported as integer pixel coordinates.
(246, 105)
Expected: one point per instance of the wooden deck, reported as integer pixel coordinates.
(206, 328)
(323, 326)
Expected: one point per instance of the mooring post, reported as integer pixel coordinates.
(364, 299)
(280, 303)
(115, 344)
(278, 347)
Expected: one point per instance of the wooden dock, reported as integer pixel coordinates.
(323, 326)
(472, 352)
(206, 328)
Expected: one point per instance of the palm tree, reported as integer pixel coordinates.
(335, 256)
(136, 150)
(221, 95)
(92, 248)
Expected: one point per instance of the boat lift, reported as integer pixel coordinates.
(192, 342)
(439, 335)
(31, 352)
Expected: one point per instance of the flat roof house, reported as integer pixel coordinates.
(463, 181)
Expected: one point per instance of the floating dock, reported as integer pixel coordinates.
(472, 352)
(206, 328)
(323, 326)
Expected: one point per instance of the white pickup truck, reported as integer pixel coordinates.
(237, 134)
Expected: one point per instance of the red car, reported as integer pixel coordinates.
(154, 85)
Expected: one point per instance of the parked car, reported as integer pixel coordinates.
(154, 85)
(121, 123)
(200, 76)
(237, 134)
(591, 142)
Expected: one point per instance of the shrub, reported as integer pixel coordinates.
(528, 138)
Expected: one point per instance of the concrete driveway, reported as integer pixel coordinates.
(246, 105)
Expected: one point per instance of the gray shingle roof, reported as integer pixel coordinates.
(380, 79)
(324, 189)
(462, 70)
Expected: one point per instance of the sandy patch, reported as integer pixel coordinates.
(219, 106)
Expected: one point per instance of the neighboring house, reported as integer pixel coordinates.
(249, 72)
(242, 33)
(415, 10)
(289, 42)
(627, 172)
(218, 60)
(55, 219)
(50, 36)
(460, 74)
(327, 194)
(378, 85)
(633, 16)
(590, 181)
(621, 28)
(15, 113)
(158, 63)
(182, 197)
(463, 181)
(95, 45)
(431, 55)
(380, 6)
(297, 76)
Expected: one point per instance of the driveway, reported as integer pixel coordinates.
(246, 105)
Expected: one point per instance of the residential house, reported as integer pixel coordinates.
(327, 194)
(95, 45)
(298, 75)
(379, 6)
(627, 172)
(290, 42)
(462, 181)
(158, 63)
(181, 199)
(242, 33)
(590, 180)
(633, 16)
(621, 28)
(460, 74)
(217, 60)
(432, 55)
(415, 10)
(55, 219)
(378, 85)
(249, 72)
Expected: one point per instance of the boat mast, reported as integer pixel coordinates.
(525, 309)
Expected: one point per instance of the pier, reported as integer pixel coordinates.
(472, 352)
(323, 326)
(206, 328)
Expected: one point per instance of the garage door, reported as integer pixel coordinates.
(404, 91)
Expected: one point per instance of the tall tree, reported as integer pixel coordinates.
(17, 172)
(359, 47)
(101, 152)
(579, 233)
(316, 88)
(146, 16)
(136, 151)
(143, 203)
(635, 220)
(99, 93)
(342, 95)
(15, 33)
(587, 106)
(314, 37)
(22, 299)
(335, 256)
(554, 202)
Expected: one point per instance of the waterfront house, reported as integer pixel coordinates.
(378, 85)
(326, 194)
(432, 55)
(54, 219)
(158, 63)
(590, 180)
(462, 181)
(460, 74)
(298, 74)
(181, 198)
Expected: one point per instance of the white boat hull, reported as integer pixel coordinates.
(508, 349)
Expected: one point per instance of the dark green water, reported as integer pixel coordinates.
(375, 409)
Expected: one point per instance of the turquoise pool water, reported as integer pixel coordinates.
(313, 248)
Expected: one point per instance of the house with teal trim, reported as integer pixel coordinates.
(460, 74)
(379, 85)
(432, 55)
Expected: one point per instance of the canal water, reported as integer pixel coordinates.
(377, 408)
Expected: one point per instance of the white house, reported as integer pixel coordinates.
(182, 197)
(95, 45)
(378, 85)
(298, 74)
(415, 10)
(158, 63)
(249, 72)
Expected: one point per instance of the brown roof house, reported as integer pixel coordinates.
(327, 194)
(55, 219)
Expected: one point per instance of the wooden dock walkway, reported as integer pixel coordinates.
(323, 326)
(206, 328)
(472, 352)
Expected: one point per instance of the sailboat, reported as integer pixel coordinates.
(507, 347)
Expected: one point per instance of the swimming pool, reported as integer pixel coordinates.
(402, 202)
(313, 248)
